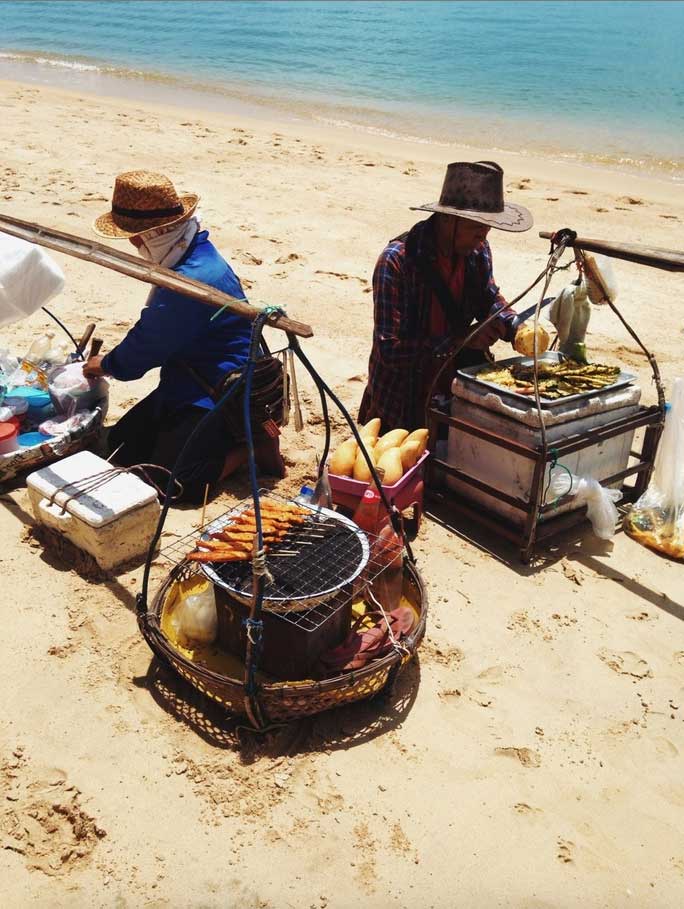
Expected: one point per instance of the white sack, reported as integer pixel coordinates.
(28, 278)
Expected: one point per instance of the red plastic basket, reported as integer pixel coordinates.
(406, 493)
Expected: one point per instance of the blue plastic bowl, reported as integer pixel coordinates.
(29, 439)
(35, 397)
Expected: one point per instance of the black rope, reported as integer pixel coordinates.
(141, 600)
(324, 389)
(64, 329)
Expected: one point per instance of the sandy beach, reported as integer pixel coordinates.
(531, 756)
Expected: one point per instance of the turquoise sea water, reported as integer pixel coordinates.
(601, 81)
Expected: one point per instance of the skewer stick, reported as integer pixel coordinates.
(116, 451)
(204, 504)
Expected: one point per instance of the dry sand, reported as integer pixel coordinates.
(531, 757)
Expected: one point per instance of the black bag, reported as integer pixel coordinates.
(267, 401)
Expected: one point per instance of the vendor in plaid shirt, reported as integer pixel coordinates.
(429, 286)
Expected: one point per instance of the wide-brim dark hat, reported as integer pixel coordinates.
(475, 191)
(143, 200)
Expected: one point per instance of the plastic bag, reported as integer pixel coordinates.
(71, 391)
(195, 617)
(599, 500)
(570, 313)
(28, 278)
(59, 426)
(657, 518)
(601, 283)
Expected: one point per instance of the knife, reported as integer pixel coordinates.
(521, 317)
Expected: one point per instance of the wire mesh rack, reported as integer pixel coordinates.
(314, 570)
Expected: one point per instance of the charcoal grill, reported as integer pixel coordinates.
(306, 568)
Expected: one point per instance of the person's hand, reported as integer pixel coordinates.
(93, 368)
(495, 331)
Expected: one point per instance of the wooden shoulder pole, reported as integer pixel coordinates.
(667, 259)
(141, 270)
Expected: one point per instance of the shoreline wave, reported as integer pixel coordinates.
(329, 111)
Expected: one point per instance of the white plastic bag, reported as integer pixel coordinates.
(601, 282)
(657, 519)
(599, 500)
(195, 615)
(71, 391)
(28, 278)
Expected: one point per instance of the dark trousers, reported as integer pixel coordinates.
(153, 433)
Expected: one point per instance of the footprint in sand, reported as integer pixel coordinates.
(481, 698)
(566, 851)
(528, 757)
(342, 275)
(247, 258)
(450, 694)
(631, 200)
(525, 809)
(551, 198)
(626, 662)
(43, 821)
(670, 217)
(290, 257)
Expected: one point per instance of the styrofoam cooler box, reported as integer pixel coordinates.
(115, 522)
(512, 473)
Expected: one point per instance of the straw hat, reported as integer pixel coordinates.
(143, 200)
(475, 191)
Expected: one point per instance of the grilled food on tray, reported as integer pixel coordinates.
(556, 379)
(235, 541)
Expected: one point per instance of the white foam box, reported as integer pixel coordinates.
(512, 473)
(114, 522)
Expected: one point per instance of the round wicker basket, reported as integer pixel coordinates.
(283, 701)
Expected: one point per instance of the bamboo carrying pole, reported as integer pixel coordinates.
(126, 264)
(668, 259)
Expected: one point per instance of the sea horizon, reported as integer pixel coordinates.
(568, 98)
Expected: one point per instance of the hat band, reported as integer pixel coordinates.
(139, 214)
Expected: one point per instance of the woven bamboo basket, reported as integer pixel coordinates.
(284, 701)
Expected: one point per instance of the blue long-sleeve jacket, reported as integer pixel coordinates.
(175, 327)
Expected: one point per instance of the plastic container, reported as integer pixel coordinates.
(18, 406)
(35, 397)
(30, 439)
(8, 438)
(305, 497)
(406, 493)
(37, 351)
(38, 415)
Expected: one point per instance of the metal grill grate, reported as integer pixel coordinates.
(314, 569)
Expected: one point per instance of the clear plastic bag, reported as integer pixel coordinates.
(657, 518)
(71, 391)
(601, 282)
(195, 618)
(599, 500)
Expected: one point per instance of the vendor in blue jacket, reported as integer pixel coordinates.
(175, 332)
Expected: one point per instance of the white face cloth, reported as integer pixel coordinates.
(166, 245)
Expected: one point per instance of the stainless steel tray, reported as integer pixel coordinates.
(469, 377)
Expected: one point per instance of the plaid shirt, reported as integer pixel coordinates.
(403, 358)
